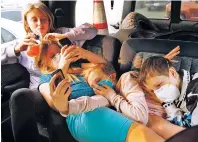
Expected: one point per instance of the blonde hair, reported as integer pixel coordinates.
(41, 61)
(45, 65)
(107, 68)
(42, 7)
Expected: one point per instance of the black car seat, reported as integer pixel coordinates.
(62, 12)
(179, 35)
(106, 46)
(13, 77)
(141, 49)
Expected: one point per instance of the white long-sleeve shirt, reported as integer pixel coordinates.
(76, 35)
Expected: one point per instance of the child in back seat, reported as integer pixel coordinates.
(159, 76)
(85, 100)
(93, 125)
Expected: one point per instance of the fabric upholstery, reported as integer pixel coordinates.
(135, 51)
(13, 76)
(106, 46)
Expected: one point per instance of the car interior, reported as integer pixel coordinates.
(137, 35)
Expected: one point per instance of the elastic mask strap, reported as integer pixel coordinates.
(110, 77)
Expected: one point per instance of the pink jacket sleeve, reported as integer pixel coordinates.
(85, 104)
(131, 101)
(79, 35)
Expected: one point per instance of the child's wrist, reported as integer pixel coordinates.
(85, 54)
(64, 36)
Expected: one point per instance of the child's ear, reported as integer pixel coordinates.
(172, 72)
(113, 77)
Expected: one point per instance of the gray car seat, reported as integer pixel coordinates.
(141, 49)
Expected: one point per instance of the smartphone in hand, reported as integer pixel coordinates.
(65, 41)
(59, 78)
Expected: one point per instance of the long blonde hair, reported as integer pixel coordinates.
(42, 7)
(45, 65)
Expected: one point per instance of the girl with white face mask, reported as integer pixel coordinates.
(159, 76)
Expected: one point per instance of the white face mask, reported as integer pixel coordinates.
(167, 93)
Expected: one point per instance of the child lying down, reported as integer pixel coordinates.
(177, 92)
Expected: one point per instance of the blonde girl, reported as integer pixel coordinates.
(38, 20)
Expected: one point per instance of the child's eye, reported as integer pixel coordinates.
(97, 80)
(34, 20)
(158, 86)
(55, 57)
(44, 20)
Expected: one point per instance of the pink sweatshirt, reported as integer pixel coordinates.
(130, 100)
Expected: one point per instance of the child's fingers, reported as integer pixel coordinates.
(63, 49)
(174, 54)
(98, 87)
(67, 50)
(51, 83)
(74, 59)
(174, 61)
(97, 92)
(29, 36)
(46, 37)
(62, 87)
(49, 37)
(69, 55)
(106, 86)
(68, 92)
(176, 49)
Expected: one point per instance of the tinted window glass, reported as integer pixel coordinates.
(113, 9)
(189, 10)
(152, 9)
(6, 36)
(12, 15)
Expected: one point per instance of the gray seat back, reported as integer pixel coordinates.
(135, 51)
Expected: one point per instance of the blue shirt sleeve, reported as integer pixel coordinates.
(44, 78)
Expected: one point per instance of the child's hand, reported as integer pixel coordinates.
(79, 52)
(104, 91)
(54, 36)
(29, 40)
(60, 94)
(67, 57)
(172, 54)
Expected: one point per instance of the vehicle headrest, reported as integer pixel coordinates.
(106, 46)
(135, 51)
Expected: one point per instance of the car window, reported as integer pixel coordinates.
(113, 9)
(189, 10)
(152, 9)
(6, 36)
(14, 15)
